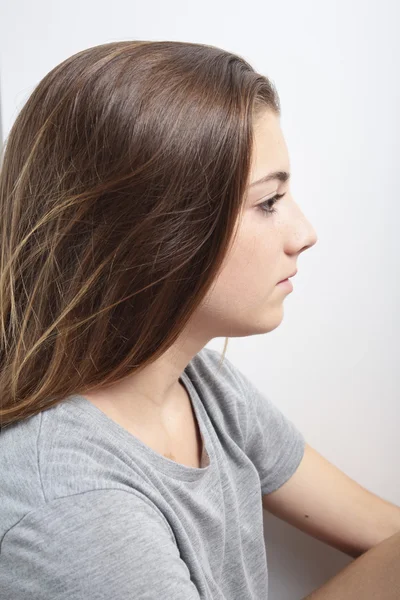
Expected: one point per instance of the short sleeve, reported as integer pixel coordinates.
(272, 441)
(99, 545)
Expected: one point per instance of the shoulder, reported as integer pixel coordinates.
(76, 515)
(98, 544)
(21, 489)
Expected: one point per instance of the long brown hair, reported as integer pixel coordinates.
(121, 186)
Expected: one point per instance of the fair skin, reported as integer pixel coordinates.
(245, 300)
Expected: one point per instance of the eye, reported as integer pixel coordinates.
(267, 206)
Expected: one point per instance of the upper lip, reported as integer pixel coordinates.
(292, 275)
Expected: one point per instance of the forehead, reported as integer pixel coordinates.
(270, 152)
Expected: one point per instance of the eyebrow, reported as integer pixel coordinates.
(280, 175)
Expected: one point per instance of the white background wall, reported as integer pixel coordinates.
(332, 365)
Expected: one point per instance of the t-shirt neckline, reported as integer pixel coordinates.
(153, 458)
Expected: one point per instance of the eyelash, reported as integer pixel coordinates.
(270, 210)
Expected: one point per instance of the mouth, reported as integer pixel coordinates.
(287, 278)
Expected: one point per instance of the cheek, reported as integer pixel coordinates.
(247, 272)
(251, 257)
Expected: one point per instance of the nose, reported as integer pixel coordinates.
(303, 234)
(312, 238)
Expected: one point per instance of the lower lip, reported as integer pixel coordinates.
(286, 283)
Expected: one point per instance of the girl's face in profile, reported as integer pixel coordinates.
(245, 298)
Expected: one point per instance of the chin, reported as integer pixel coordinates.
(256, 327)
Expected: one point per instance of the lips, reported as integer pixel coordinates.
(292, 275)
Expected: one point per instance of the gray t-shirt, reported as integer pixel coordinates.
(90, 512)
